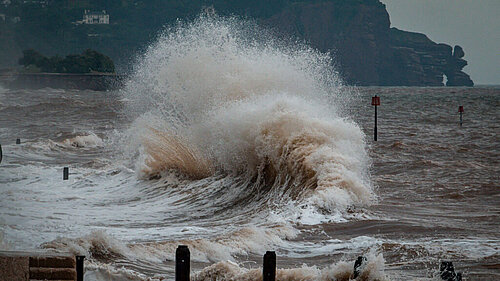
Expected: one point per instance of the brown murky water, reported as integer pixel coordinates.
(436, 185)
(438, 182)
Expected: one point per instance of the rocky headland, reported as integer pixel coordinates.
(367, 50)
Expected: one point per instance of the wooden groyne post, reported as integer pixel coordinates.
(65, 173)
(269, 267)
(182, 263)
(357, 266)
(447, 272)
(79, 267)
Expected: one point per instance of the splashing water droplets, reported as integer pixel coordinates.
(222, 96)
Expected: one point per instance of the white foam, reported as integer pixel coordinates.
(3, 90)
(100, 246)
(373, 269)
(4, 244)
(88, 140)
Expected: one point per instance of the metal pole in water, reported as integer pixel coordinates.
(375, 102)
(79, 268)
(1, 155)
(65, 173)
(461, 111)
(182, 263)
(269, 269)
(375, 128)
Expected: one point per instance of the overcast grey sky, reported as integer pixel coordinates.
(472, 24)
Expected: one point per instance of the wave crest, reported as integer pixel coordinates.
(168, 152)
(225, 97)
(89, 140)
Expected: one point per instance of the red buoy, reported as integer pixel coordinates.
(460, 108)
(375, 100)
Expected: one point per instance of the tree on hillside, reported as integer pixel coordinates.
(98, 62)
(88, 61)
(31, 56)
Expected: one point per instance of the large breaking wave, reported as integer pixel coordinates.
(220, 96)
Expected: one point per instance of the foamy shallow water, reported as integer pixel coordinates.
(235, 147)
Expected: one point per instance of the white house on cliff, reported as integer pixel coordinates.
(95, 17)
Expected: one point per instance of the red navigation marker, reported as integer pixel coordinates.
(461, 109)
(375, 102)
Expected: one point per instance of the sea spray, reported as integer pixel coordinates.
(219, 95)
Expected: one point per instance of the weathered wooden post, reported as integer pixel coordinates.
(18, 141)
(357, 266)
(447, 272)
(182, 263)
(461, 111)
(375, 102)
(79, 268)
(65, 173)
(269, 269)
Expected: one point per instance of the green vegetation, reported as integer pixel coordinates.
(88, 61)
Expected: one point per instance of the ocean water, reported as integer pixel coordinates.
(234, 143)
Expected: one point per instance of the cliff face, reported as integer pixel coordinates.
(367, 50)
(416, 60)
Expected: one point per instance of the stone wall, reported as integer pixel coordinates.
(14, 267)
(26, 266)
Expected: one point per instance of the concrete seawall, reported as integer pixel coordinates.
(90, 81)
(26, 266)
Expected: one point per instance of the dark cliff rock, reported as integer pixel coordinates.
(454, 73)
(355, 32)
(458, 52)
(418, 61)
(367, 50)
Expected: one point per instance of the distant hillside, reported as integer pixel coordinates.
(357, 32)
